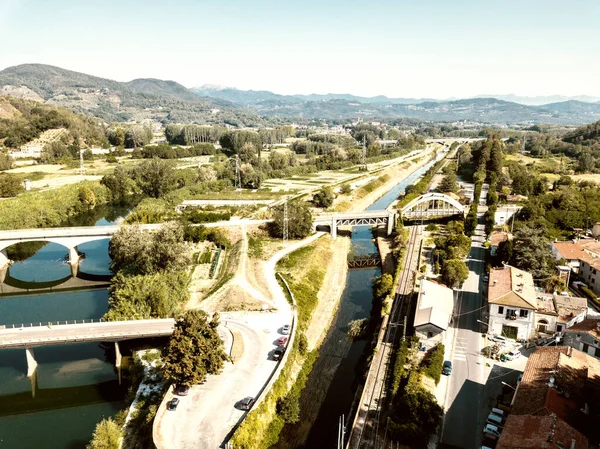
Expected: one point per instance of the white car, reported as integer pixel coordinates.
(285, 330)
(514, 354)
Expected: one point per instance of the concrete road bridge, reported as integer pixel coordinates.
(432, 205)
(107, 331)
(365, 218)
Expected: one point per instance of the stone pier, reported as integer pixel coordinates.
(31, 362)
(118, 360)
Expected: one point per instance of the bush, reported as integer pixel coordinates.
(324, 197)
(433, 363)
(357, 328)
(345, 189)
(10, 186)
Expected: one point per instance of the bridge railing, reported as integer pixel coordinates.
(67, 322)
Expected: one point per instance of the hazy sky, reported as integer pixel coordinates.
(418, 48)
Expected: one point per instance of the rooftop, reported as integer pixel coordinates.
(498, 237)
(540, 432)
(435, 305)
(577, 249)
(592, 261)
(512, 287)
(565, 307)
(559, 381)
(587, 326)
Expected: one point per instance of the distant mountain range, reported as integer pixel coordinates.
(170, 102)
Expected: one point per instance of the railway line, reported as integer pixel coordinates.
(369, 425)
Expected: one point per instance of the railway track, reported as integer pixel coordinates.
(369, 418)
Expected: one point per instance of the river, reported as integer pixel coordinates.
(74, 387)
(334, 379)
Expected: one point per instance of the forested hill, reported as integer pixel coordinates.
(22, 121)
(585, 135)
(165, 101)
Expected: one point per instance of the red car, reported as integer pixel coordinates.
(282, 341)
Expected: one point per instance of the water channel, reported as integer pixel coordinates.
(74, 387)
(333, 381)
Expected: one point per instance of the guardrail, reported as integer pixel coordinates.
(68, 322)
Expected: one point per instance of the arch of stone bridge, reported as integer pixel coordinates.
(70, 243)
(434, 197)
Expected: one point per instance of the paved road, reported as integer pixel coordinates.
(466, 387)
(205, 417)
(72, 333)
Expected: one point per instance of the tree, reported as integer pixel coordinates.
(382, 286)
(137, 252)
(586, 163)
(107, 435)
(156, 177)
(87, 197)
(119, 184)
(6, 161)
(194, 350)
(531, 252)
(454, 273)
(10, 185)
(250, 177)
(324, 197)
(449, 183)
(299, 220)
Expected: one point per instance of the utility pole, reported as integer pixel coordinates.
(364, 154)
(341, 433)
(81, 166)
(286, 222)
(238, 178)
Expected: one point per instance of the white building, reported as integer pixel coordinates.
(512, 303)
(504, 214)
(556, 313)
(434, 311)
(589, 271)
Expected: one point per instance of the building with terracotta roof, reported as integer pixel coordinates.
(540, 432)
(574, 250)
(512, 303)
(561, 383)
(434, 310)
(496, 238)
(555, 313)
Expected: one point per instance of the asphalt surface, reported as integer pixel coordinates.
(206, 416)
(72, 333)
(465, 394)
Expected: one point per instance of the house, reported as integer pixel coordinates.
(555, 313)
(434, 311)
(596, 230)
(512, 303)
(561, 383)
(504, 214)
(574, 250)
(540, 432)
(585, 337)
(496, 238)
(589, 267)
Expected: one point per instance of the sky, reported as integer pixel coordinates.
(398, 48)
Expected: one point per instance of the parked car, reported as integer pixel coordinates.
(278, 353)
(495, 420)
(182, 390)
(498, 338)
(512, 355)
(486, 278)
(172, 404)
(285, 330)
(247, 403)
(447, 368)
(520, 378)
(492, 430)
(488, 441)
(500, 413)
(282, 341)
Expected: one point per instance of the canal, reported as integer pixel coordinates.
(75, 387)
(334, 379)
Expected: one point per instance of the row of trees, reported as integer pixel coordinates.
(129, 136)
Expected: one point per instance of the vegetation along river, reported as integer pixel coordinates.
(334, 379)
(74, 387)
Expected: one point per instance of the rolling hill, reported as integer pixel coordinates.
(137, 100)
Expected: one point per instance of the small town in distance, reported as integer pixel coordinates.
(385, 236)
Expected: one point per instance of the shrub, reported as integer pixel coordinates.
(433, 363)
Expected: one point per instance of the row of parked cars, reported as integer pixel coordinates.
(493, 427)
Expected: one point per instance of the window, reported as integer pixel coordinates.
(585, 347)
(559, 328)
(597, 352)
(500, 310)
(524, 313)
